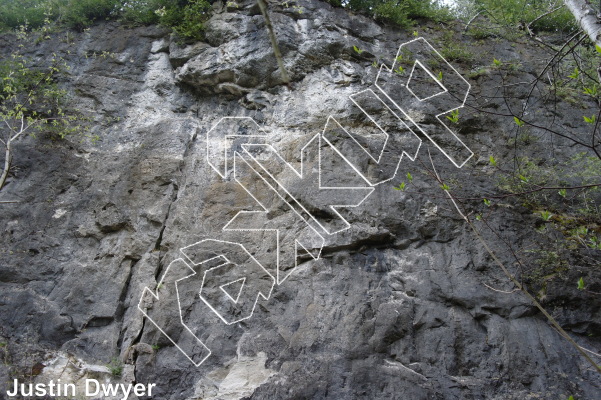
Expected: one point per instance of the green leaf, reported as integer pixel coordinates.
(487, 202)
(575, 74)
(440, 76)
(496, 62)
(400, 187)
(590, 120)
(409, 176)
(478, 217)
(562, 192)
(492, 161)
(598, 48)
(445, 187)
(546, 215)
(591, 91)
(357, 50)
(454, 117)
(400, 70)
(518, 121)
(580, 284)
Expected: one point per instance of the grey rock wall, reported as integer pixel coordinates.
(399, 306)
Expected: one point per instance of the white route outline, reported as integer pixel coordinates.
(313, 226)
(390, 71)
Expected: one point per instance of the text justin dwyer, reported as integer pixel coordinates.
(92, 388)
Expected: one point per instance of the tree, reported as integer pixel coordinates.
(31, 102)
(587, 19)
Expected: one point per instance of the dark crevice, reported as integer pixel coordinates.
(121, 307)
(158, 243)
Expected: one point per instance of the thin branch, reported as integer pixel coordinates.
(542, 16)
(501, 291)
(550, 318)
(473, 18)
(540, 188)
(518, 285)
(274, 42)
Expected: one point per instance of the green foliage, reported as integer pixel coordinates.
(513, 13)
(185, 17)
(398, 12)
(72, 13)
(454, 117)
(31, 98)
(575, 212)
(575, 74)
(592, 90)
(403, 185)
(189, 23)
(518, 121)
(116, 367)
(14, 13)
(478, 72)
(549, 264)
(594, 243)
(546, 215)
(79, 14)
(580, 287)
(400, 187)
(590, 120)
(454, 50)
(357, 50)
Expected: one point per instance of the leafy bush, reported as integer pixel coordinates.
(31, 100)
(185, 17)
(512, 13)
(14, 13)
(79, 14)
(188, 22)
(399, 12)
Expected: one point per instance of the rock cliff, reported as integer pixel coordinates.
(405, 304)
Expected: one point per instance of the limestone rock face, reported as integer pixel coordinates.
(404, 304)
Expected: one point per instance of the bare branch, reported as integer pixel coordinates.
(274, 43)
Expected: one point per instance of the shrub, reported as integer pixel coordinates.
(79, 14)
(14, 13)
(512, 13)
(185, 17)
(399, 12)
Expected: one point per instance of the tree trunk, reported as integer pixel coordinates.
(7, 160)
(586, 18)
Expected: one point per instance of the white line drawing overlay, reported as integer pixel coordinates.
(224, 274)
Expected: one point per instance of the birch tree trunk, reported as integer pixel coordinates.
(586, 18)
